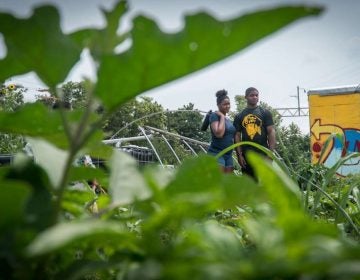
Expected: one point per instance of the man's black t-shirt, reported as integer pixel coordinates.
(252, 124)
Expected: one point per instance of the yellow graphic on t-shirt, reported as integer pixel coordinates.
(252, 124)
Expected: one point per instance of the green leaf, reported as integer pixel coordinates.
(35, 120)
(156, 57)
(356, 195)
(77, 198)
(201, 176)
(85, 173)
(126, 182)
(197, 189)
(158, 176)
(39, 209)
(281, 189)
(96, 148)
(50, 158)
(13, 201)
(285, 198)
(196, 175)
(331, 172)
(63, 234)
(241, 190)
(37, 44)
(218, 240)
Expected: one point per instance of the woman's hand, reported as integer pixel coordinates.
(219, 114)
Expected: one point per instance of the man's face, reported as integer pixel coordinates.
(253, 98)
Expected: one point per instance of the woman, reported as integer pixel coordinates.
(222, 132)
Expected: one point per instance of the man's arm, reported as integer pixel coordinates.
(237, 139)
(240, 156)
(271, 137)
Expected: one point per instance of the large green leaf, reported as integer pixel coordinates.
(85, 173)
(195, 190)
(37, 44)
(196, 175)
(13, 201)
(52, 159)
(95, 148)
(156, 57)
(38, 211)
(284, 196)
(239, 191)
(63, 234)
(35, 120)
(199, 182)
(199, 187)
(126, 182)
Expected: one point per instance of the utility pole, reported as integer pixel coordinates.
(294, 112)
(298, 98)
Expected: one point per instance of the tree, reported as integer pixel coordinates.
(74, 94)
(11, 98)
(186, 122)
(136, 112)
(294, 148)
(153, 111)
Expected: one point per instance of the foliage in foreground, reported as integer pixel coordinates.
(174, 226)
(155, 223)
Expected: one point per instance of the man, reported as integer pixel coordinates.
(254, 124)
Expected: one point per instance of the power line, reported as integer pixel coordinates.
(293, 112)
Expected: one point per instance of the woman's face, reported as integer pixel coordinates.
(224, 106)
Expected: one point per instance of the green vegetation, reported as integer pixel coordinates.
(11, 98)
(189, 223)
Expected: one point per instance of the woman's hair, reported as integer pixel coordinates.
(250, 90)
(220, 96)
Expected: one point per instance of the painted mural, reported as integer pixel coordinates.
(347, 142)
(335, 113)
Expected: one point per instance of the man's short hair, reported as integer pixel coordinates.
(250, 90)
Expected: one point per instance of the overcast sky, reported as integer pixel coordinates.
(313, 52)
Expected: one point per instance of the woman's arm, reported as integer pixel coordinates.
(218, 127)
